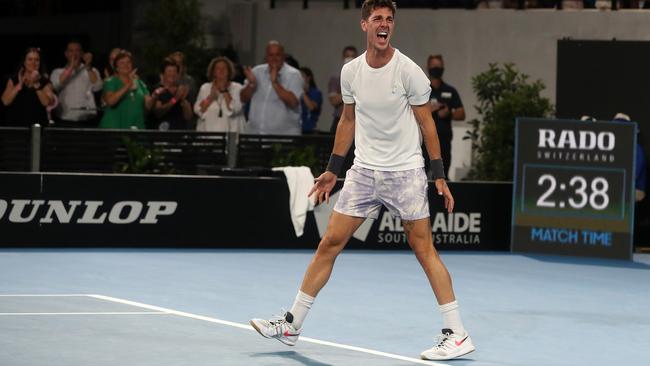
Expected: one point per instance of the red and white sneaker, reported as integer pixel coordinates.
(279, 327)
(449, 345)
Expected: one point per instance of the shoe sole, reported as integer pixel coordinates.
(448, 358)
(252, 323)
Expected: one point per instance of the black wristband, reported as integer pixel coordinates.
(335, 165)
(437, 169)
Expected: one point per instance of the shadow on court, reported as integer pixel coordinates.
(290, 355)
(613, 263)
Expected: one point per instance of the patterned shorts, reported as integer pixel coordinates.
(404, 193)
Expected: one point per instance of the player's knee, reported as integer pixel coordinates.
(330, 245)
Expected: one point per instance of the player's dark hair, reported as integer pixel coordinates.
(370, 5)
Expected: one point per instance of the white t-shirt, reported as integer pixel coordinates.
(217, 117)
(387, 136)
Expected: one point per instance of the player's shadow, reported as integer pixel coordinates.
(292, 355)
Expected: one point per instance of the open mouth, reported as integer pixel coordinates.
(382, 35)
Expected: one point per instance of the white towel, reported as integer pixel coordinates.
(300, 180)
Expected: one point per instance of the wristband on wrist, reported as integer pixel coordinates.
(335, 165)
(437, 169)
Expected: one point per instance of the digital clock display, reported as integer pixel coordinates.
(573, 191)
(574, 188)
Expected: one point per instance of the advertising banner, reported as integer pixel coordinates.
(86, 210)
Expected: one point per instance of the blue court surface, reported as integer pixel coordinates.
(191, 307)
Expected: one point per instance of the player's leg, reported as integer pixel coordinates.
(418, 234)
(454, 341)
(287, 328)
(356, 202)
(339, 230)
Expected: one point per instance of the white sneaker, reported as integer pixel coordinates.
(279, 327)
(449, 345)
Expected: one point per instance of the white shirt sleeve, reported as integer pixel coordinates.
(203, 93)
(416, 84)
(346, 88)
(294, 85)
(55, 78)
(99, 84)
(235, 105)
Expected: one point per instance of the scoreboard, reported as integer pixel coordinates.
(574, 188)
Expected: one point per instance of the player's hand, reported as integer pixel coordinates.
(443, 190)
(323, 186)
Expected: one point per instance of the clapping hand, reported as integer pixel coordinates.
(273, 71)
(250, 76)
(181, 92)
(133, 76)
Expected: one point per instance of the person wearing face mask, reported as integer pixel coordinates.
(334, 87)
(274, 90)
(446, 107)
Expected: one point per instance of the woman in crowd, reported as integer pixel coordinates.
(217, 104)
(108, 70)
(311, 101)
(172, 110)
(126, 96)
(28, 93)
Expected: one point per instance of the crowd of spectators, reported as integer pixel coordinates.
(276, 97)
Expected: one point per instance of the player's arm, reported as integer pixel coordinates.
(344, 131)
(342, 142)
(432, 143)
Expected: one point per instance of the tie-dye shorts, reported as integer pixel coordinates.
(403, 193)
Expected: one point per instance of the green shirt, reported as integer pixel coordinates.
(130, 110)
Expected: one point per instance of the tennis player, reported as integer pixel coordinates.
(387, 114)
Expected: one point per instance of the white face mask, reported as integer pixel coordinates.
(347, 59)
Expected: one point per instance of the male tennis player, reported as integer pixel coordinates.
(387, 113)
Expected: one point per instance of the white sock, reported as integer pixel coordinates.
(300, 308)
(451, 317)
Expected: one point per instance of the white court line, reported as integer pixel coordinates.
(93, 313)
(43, 295)
(248, 327)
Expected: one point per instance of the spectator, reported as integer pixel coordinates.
(291, 61)
(172, 109)
(640, 167)
(75, 84)
(274, 90)
(108, 70)
(446, 107)
(29, 92)
(334, 87)
(185, 79)
(218, 104)
(311, 101)
(125, 95)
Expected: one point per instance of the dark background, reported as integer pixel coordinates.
(600, 79)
